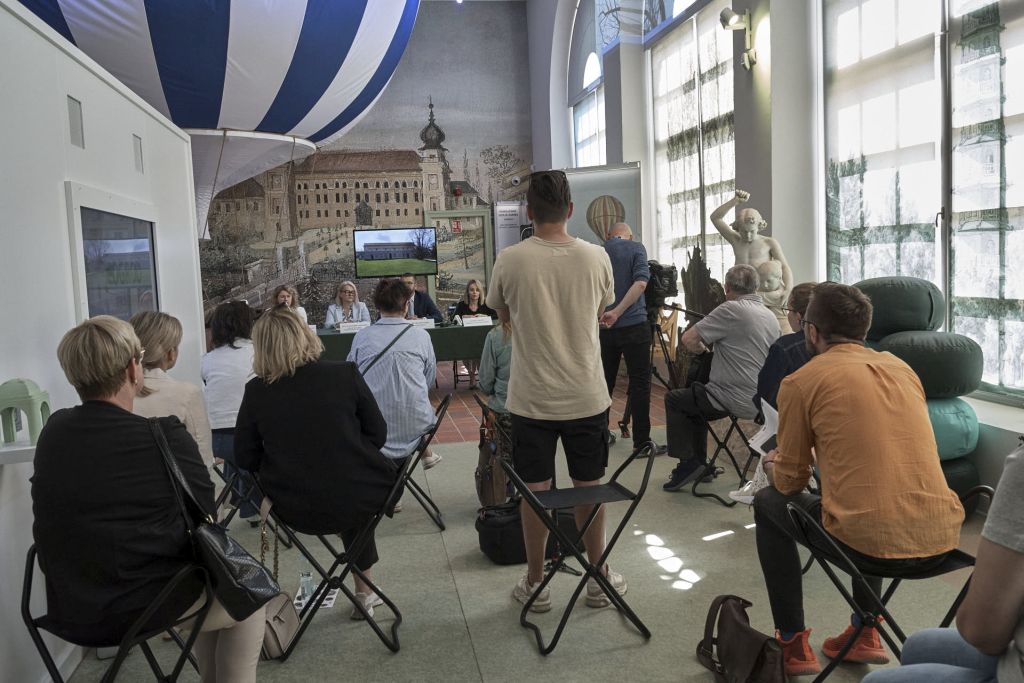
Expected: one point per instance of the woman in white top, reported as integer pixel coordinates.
(158, 394)
(347, 308)
(288, 296)
(225, 371)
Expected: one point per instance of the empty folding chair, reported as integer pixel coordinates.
(137, 633)
(827, 554)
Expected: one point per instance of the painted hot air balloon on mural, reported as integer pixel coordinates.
(255, 83)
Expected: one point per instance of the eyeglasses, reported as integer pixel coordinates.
(805, 322)
(142, 353)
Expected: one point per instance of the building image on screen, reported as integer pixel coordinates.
(395, 251)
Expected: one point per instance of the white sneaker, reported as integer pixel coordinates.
(745, 494)
(429, 462)
(524, 589)
(369, 601)
(595, 594)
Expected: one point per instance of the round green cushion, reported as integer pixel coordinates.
(955, 425)
(903, 304)
(961, 476)
(948, 364)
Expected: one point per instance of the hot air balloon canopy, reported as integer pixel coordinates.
(256, 83)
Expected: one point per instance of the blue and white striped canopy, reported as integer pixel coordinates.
(302, 68)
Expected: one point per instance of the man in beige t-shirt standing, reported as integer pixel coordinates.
(554, 287)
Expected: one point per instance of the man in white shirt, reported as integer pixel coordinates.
(554, 287)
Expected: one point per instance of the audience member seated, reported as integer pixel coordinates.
(495, 366)
(741, 329)
(109, 532)
(397, 361)
(311, 432)
(420, 304)
(225, 370)
(347, 308)
(885, 500)
(472, 304)
(159, 395)
(789, 352)
(988, 642)
(288, 297)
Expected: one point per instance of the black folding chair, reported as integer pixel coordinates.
(414, 488)
(251, 493)
(543, 503)
(135, 634)
(344, 562)
(826, 552)
(722, 446)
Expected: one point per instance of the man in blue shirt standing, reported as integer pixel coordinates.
(625, 331)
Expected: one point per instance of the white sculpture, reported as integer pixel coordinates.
(763, 253)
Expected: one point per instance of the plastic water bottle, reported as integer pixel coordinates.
(305, 586)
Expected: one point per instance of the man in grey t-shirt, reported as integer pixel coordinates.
(741, 330)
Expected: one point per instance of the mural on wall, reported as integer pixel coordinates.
(451, 132)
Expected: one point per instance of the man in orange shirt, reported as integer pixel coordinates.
(884, 498)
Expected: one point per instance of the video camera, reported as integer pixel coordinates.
(662, 285)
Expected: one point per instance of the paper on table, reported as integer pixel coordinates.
(768, 431)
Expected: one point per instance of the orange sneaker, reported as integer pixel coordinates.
(798, 656)
(867, 650)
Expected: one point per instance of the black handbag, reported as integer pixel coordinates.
(240, 582)
(500, 532)
(739, 653)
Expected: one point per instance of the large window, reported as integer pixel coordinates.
(923, 143)
(589, 130)
(119, 267)
(694, 140)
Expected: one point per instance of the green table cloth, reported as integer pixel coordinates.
(450, 343)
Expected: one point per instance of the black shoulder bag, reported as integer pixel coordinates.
(739, 653)
(240, 582)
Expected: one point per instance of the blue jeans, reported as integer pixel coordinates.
(224, 448)
(938, 655)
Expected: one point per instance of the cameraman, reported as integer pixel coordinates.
(625, 330)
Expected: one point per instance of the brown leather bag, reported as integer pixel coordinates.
(282, 620)
(739, 653)
(491, 480)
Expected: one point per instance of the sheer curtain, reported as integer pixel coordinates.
(694, 148)
(589, 130)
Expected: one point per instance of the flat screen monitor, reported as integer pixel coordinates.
(392, 252)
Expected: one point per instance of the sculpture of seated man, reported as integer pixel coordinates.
(773, 292)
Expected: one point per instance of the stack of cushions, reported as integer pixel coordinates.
(907, 311)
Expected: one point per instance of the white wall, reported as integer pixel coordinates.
(549, 28)
(38, 70)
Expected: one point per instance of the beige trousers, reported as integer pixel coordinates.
(228, 650)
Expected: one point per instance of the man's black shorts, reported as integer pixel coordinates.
(583, 440)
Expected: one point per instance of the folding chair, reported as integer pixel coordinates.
(543, 503)
(827, 552)
(722, 446)
(251, 493)
(417, 491)
(344, 560)
(135, 634)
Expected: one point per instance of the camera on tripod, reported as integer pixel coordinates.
(662, 285)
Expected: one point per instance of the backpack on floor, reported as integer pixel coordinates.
(501, 533)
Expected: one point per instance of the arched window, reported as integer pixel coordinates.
(592, 70)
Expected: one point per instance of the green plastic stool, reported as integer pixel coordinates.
(26, 396)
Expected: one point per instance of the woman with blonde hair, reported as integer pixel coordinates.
(286, 296)
(159, 395)
(472, 304)
(310, 431)
(107, 526)
(347, 308)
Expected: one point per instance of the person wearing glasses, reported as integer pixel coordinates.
(789, 352)
(347, 308)
(741, 330)
(886, 505)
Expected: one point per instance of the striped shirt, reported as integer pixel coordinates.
(400, 380)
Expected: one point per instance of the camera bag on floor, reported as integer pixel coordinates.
(501, 533)
(739, 653)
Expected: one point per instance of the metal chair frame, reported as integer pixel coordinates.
(722, 446)
(413, 486)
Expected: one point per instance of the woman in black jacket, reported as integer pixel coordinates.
(108, 530)
(311, 431)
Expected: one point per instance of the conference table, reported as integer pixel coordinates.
(450, 343)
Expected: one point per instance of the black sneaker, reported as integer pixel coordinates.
(684, 473)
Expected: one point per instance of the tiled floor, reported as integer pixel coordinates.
(463, 420)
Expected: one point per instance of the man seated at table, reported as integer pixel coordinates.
(420, 305)
(741, 329)
(885, 500)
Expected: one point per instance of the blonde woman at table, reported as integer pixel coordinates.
(472, 305)
(347, 308)
(288, 296)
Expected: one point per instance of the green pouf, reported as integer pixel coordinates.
(903, 304)
(962, 476)
(948, 364)
(955, 425)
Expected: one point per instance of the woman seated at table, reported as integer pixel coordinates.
(472, 305)
(109, 532)
(311, 432)
(495, 366)
(347, 308)
(397, 361)
(287, 296)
